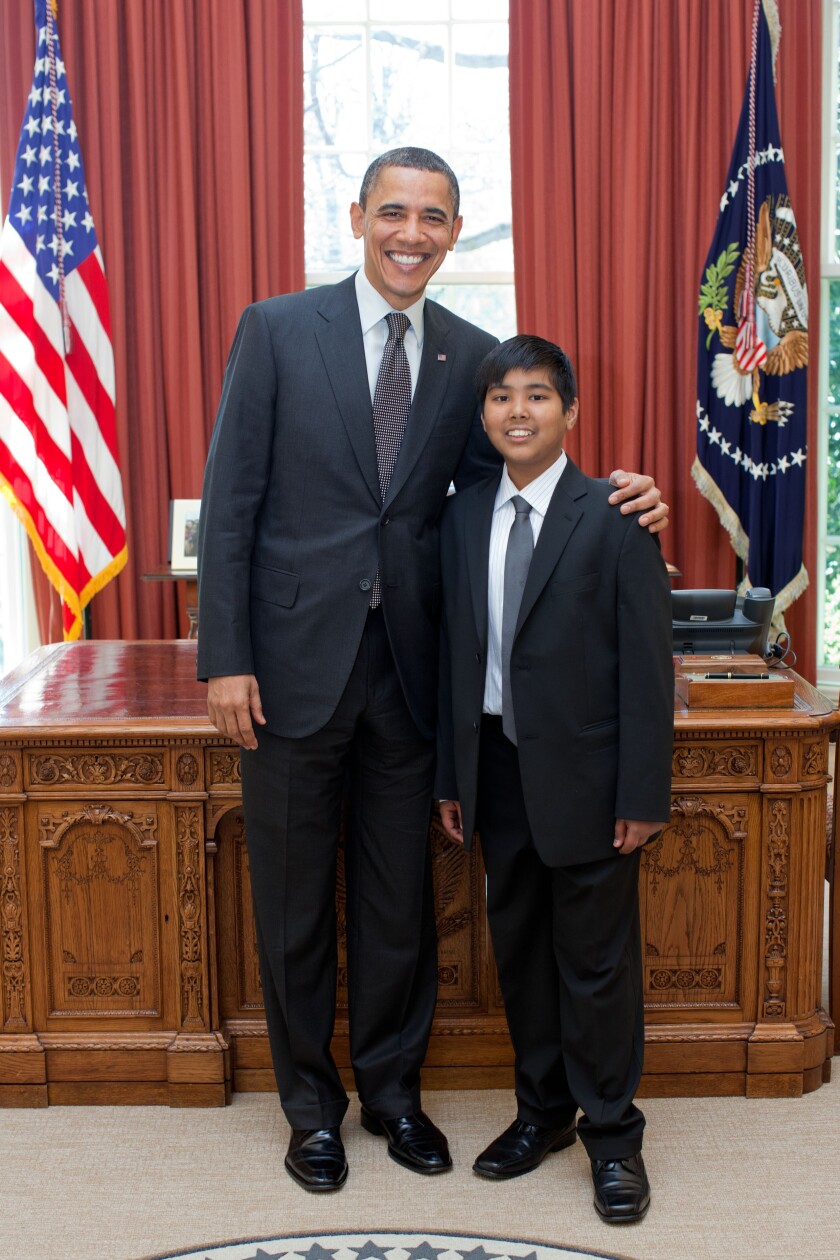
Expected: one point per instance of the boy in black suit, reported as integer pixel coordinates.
(556, 728)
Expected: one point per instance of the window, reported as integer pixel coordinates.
(375, 78)
(18, 623)
(828, 385)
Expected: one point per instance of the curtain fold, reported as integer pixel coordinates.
(190, 117)
(623, 117)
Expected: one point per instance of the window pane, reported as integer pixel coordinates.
(387, 10)
(334, 103)
(491, 306)
(409, 87)
(334, 10)
(331, 184)
(832, 500)
(485, 243)
(833, 343)
(480, 84)
(494, 10)
(831, 628)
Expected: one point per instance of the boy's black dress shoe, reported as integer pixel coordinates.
(622, 1189)
(413, 1141)
(316, 1159)
(521, 1148)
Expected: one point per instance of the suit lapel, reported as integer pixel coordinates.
(428, 396)
(477, 540)
(564, 512)
(342, 349)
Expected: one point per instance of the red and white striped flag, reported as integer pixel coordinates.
(59, 467)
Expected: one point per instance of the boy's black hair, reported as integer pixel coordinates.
(527, 353)
(414, 160)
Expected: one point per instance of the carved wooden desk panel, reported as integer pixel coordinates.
(129, 969)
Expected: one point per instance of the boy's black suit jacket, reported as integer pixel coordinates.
(293, 526)
(591, 669)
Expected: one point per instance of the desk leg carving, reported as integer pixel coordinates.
(15, 1001)
(188, 831)
(776, 914)
(22, 1060)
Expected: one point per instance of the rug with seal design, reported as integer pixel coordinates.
(387, 1246)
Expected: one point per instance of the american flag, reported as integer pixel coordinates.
(59, 467)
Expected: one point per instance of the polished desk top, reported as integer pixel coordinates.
(151, 685)
(106, 684)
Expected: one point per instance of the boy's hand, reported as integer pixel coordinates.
(638, 493)
(232, 701)
(450, 816)
(631, 835)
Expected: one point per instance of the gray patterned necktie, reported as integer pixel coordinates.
(391, 405)
(520, 549)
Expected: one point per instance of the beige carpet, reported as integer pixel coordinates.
(733, 1179)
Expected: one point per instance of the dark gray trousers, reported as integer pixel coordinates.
(568, 950)
(371, 756)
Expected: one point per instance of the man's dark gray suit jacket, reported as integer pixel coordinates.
(292, 524)
(591, 669)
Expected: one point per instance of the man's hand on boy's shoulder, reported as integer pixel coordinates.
(638, 493)
(450, 816)
(631, 834)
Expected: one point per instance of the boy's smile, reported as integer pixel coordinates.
(526, 421)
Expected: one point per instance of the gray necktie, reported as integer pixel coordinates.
(520, 549)
(391, 405)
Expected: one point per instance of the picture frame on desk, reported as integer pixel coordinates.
(183, 534)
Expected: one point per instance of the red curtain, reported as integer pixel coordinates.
(623, 117)
(190, 117)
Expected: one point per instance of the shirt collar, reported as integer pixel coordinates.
(373, 307)
(538, 492)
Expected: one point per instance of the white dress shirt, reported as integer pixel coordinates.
(372, 311)
(538, 493)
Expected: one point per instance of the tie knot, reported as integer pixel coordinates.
(398, 323)
(520, 506)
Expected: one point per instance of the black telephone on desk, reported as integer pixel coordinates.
(715, 622)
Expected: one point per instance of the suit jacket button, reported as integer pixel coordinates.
(365, 584)
(386, 520)
(475, 726)
(478, 657)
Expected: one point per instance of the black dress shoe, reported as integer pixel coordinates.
(521, 1148)
(413, 1141)
(622, 1189)
(316, 1160)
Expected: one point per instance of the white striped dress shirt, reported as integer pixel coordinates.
(372, 311)
(538, 493)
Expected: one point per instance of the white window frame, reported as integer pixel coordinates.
(405, 17)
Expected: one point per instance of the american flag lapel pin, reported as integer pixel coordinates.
(441, 358)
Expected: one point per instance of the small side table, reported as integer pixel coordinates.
(165, 573)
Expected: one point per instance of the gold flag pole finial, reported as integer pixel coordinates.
(771, 12)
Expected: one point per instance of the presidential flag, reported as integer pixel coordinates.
(59, 466)
(753, 347)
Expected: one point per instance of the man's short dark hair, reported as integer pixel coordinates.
(528, 353)
(414, 160)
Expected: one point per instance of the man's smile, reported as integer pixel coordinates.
(406, 260)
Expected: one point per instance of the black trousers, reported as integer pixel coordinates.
(568, 950)
(371, 755)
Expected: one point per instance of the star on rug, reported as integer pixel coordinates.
(391, 1246)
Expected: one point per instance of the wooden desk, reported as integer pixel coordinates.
(129, 965)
